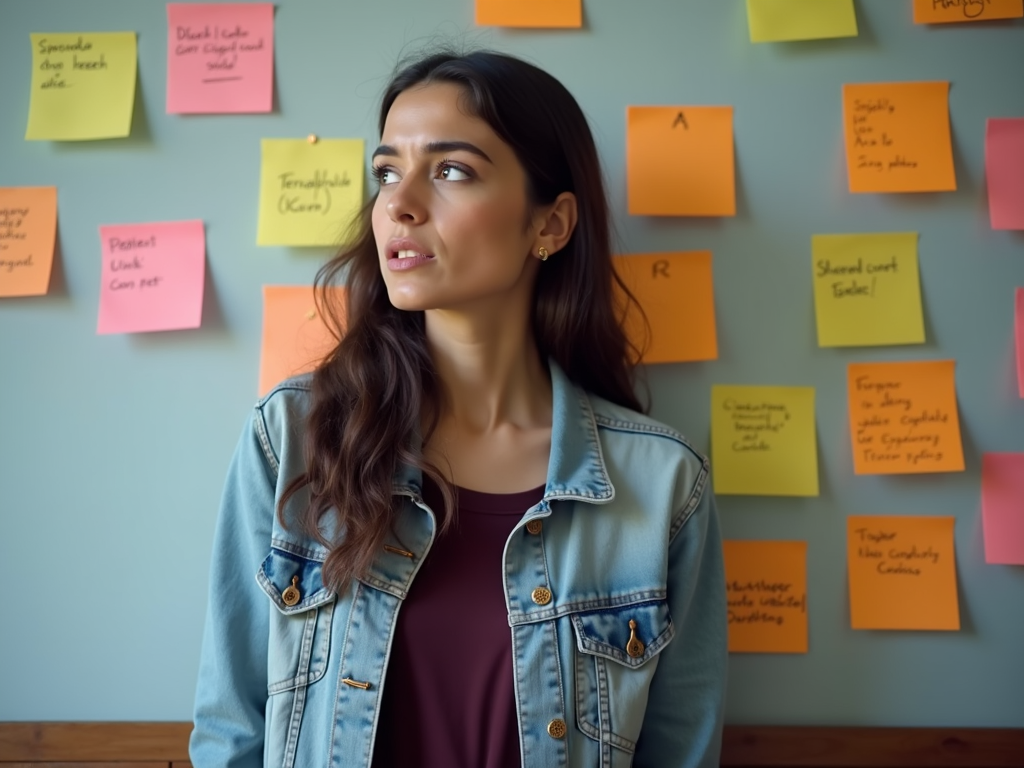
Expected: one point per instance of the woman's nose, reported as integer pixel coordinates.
(406, 204)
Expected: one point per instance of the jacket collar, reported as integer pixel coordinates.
(576, 467)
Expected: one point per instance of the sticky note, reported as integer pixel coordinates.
(152, 276)
(1002, 507)
(529, 13)
(675, 292)
(1004, 172)
(867, 291)
(763, 441)
(1018, 333)
(943, 11)
(309, 192)
(295, 336)
(220, 57)
(779, 20)
(680, 161)
(898, 137)
(766, 592)
(902, 572)
(28, 231)
(903, 418)
(83, 85)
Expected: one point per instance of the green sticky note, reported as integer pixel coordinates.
(780, 20)
(83, 86)
(763, 441)
(867, 291)
(309, 191)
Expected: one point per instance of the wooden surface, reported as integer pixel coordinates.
(165, 745)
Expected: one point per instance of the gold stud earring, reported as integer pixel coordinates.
(543, 253)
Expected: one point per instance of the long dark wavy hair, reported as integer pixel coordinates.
(372, 394)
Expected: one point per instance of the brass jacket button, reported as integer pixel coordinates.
(556, 728)
(541, 595)
(534, 526)
(291, 595)
(635, 646)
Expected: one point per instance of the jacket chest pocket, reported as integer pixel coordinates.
(300, 620)
(616, 656)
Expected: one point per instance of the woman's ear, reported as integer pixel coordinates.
(558, 222)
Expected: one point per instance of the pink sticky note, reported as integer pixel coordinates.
(220, 57)
(1002, 507)
(1004, 170)
(152, 277)
(1018, 325)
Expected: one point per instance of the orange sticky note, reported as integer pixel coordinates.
(1002, 507)
(675, 292)
(28, 231)
(766, 590)
(902, 573)
(680, 161)
(904, 418)
(898, 137)
(944, 11)
(295, 336)
(529, 13)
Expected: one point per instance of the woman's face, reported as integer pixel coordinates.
(451, 220)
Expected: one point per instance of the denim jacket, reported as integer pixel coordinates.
(626, 532)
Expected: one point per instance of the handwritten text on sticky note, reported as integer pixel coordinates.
(529, 13)
(309, 192)
(778, 20)
(83, 86)
(680, 161)
(898, 137)
(766, 593)
(28, 231)
(296, 337)
(152, 276)
(763, 441)
(867, 290)
(1004, 172)
(944, 11)
(1002, 507)
(904, 418)
(675, 292)
(902, 573)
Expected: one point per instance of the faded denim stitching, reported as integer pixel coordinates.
(691, 503)
(579, 606)
(341, 670)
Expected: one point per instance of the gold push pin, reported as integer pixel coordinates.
(635, 648)
(311, 138)
(291, 594)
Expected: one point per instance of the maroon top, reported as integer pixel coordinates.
(449, 698)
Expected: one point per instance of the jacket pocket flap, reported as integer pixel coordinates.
(607, 632)
(293, 583)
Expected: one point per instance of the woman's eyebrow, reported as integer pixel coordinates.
(435, 148)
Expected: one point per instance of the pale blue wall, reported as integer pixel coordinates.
(113, 448)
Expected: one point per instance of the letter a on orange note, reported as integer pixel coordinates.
(680, 161)
(903, 418)
(766, 591)
(28, 231)
(675, 292)
(945, 11)
(295, 337)
(529, 13)
(898, 137)
(902, 572)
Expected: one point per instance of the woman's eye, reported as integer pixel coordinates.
(385, 175)
(453, 173)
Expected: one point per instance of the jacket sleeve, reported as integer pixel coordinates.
(683, 721)
(231, 693)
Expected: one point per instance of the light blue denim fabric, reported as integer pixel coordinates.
(629, 532)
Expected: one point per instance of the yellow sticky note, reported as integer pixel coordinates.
(866, 289)
(310, 192)
(898, 137)
(766, 592)
(83, 85)
(529, 13)
(675, 292)
(903, 417)
(902, 573)
(295, 336)
(763, 441)
(778, 20)
(28, 231)
(680, 161)
(945, 11)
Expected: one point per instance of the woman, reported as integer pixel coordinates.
(469, 547)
